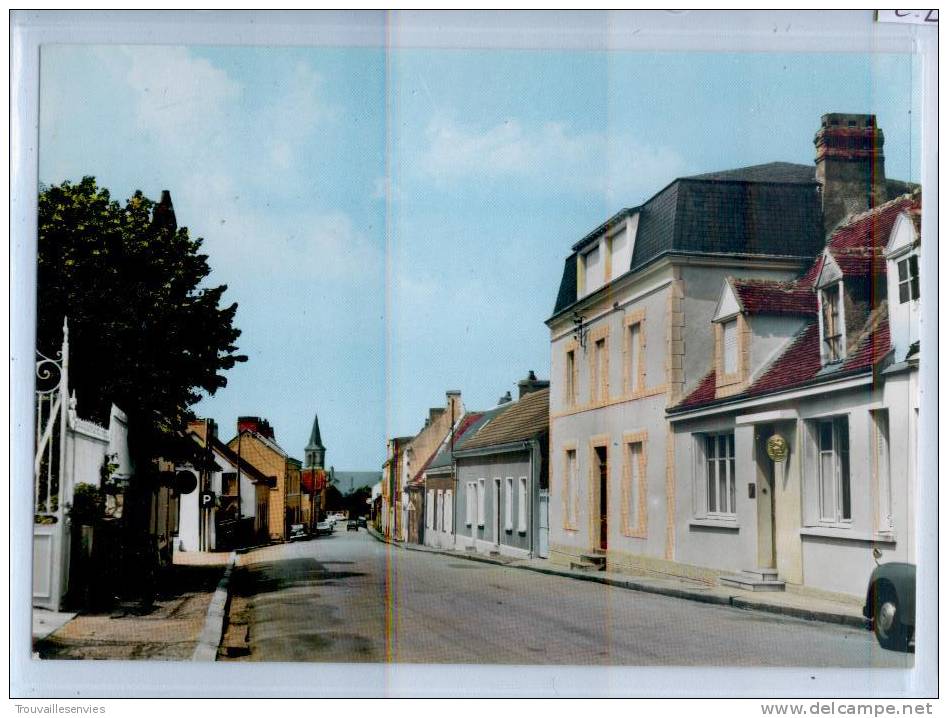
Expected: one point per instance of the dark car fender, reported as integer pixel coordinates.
(901, 578)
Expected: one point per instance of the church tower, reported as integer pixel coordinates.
(315, 451)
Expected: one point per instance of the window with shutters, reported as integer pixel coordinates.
(729, 330)
(508, 504)
(634, 352)
(439, 512)
(731, 347)
(881, 469)
(429, 510)
(633, 485)
(599, 374)
(571, 378)
(448, 511)
(522, 506)
(594, 270)
(481, 501)
(470, 503)
(570, 490)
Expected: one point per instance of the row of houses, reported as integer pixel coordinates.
(251, 490)
(733, 393)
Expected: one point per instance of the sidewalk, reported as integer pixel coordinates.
(169, 631)
(786, 603)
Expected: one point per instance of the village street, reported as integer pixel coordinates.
(348, 597)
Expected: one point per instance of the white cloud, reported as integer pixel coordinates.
(613, 165)
(242, 235)
(181, 98)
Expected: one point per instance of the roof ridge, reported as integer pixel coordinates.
(878, 209)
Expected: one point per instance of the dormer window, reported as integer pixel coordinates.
(908, 278)
(833, 333)
(731, 344)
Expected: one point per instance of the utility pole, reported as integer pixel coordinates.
(237, 532)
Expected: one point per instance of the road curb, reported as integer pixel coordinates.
(745, 603)
(210, 638)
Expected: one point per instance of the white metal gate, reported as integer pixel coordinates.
(51, 492)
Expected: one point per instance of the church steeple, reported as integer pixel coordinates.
(315, 451)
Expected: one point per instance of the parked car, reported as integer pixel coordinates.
(297, 532)
(324, 528)
(363, 522)
(352, 525)
(890, 605)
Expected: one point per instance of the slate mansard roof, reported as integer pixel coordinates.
(772, 210)
(800, 364)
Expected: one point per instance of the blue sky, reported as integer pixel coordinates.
(394, 226)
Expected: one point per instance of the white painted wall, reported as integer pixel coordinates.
(824, 558)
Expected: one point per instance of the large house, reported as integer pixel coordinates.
(639, 315)
(795, 455)
(256, 444)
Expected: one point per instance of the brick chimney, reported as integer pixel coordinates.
(255, 423)
(202, 427)
(850, 166)
(530, 384)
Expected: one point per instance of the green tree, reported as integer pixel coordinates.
(145, 330)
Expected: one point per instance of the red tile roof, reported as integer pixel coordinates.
(872, 228)
(874, 344)
(768, 297)
(857, 248)
(702, 394)
(798, 364)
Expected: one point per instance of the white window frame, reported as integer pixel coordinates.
(910, 282)
(481, 502)
(508, 504)
(439, 511)
(522, 505)
(840, 478)
(709, 504)
(429, 510)
(825, 351)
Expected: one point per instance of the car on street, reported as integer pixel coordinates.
(363, 522)
(323, 528)
(352, 525)
(890, 605)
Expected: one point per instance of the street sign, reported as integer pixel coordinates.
(208, 500)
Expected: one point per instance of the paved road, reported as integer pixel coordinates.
(348, 597)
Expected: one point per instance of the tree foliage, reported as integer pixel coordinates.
(145, 332)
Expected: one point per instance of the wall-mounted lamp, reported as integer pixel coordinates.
(580, 329)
